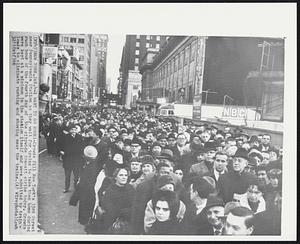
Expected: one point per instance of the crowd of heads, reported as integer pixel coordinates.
(141, 145)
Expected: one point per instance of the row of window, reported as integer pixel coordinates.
(149, 37)
(178, 62)
(73, 39)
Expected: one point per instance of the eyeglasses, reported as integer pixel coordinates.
(220, 160)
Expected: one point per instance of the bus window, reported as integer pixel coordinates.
(171, 112)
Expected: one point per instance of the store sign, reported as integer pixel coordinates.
(50, 52)
(235, 112)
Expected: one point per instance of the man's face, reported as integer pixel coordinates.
(181, 140)
(73, 131)
(235, 225)
(112, 132)
(209, 155)
(263, 177)
(266, 140)
(149, 137)
(171, 142)
(220, 162)
(164, 171)
(147, 168)
(179, 173)
(135, 167)
(200, 157)
(156, 150)
(163, 142)
(215, 216)
(253, 194)
(205, 137)
(239, 164)
(135, 148)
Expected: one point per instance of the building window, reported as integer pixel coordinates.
(147, 45)
(66, 39)
(157, 45)
(136, 60)
(137, 52)
(187, 55)
(148, 37)
(192, 55)
(73, 40)
(81, 58)
(137, 44)
(80, 40)
(158, 38)
(137, 37)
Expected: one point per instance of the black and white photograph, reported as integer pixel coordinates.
(150, 133)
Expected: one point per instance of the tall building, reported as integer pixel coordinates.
(82, 44)
(246, 71)
(101, 43)
(134, 50)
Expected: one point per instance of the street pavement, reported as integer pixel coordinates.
(55, 214)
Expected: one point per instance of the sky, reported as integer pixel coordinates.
(114, 54)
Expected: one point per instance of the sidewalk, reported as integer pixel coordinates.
(55, 214)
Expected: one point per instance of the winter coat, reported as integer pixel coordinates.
(143, 194)
(233, 182)
(73, 150)
(117, 203)
(88, 175)
(169, 227)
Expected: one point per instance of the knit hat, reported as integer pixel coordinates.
(90, 152)
(164, 180)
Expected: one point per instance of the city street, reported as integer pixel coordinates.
(55, 214)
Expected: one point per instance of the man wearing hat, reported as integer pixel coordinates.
(236, 182)
(135, 148)
(215, 217)
(72, 149)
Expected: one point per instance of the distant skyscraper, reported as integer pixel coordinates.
(134, 50)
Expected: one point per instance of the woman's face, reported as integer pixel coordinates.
(162, 211)
(253, 194)
(147, 168)
(179, 173)
(121, 178)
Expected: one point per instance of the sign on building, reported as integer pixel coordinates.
(234, 112)
(50, 54)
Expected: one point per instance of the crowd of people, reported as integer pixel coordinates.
(138, 174)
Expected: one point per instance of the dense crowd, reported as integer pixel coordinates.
(137, 174)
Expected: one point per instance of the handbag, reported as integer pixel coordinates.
(95, 223)
(74, 198)
(119, 226)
